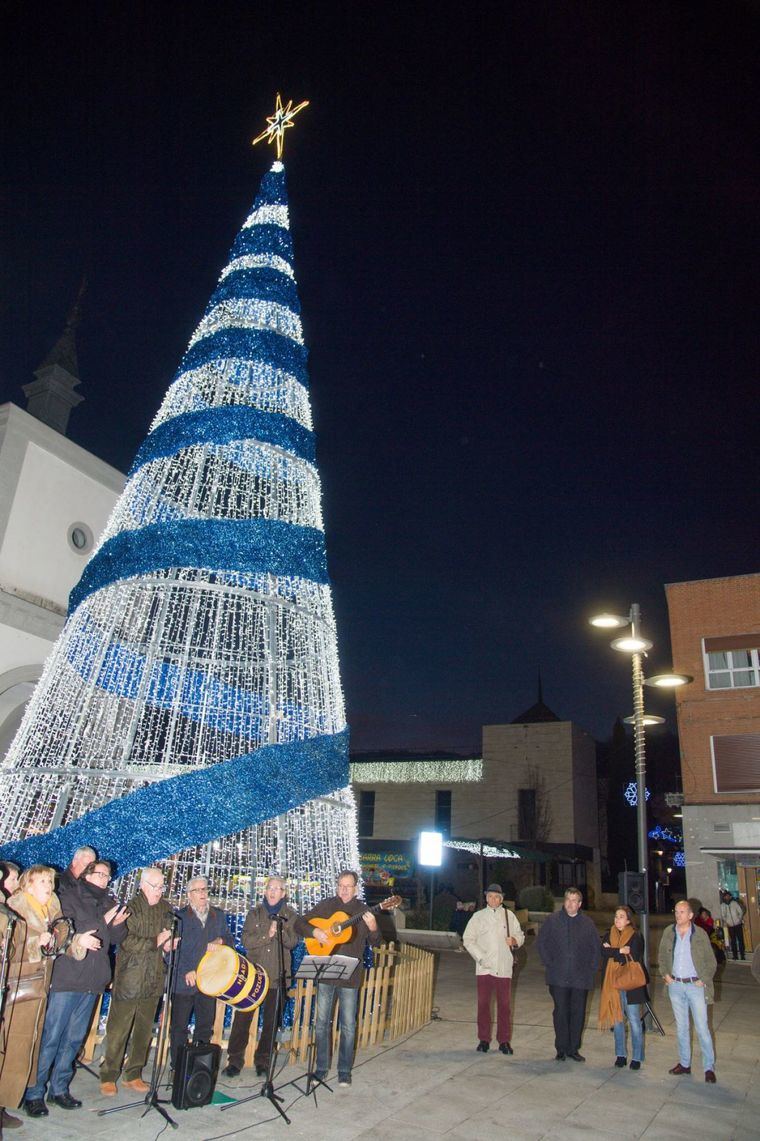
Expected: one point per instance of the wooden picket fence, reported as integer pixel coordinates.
(395, 998)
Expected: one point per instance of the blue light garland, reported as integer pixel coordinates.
(631, 794)
(154, 822)
(225, 425)
(260, 546)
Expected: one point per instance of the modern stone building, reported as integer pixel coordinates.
(533, 791)
(715, 635)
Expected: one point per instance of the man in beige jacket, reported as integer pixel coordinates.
(490, 937)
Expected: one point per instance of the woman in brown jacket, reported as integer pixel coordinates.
(28, 981)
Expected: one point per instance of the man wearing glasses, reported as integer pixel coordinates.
(76, 984)
(202, 928)
(138, 983)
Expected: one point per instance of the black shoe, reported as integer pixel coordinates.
(559, 1056)
(344, 1079)
(483, 1047)
(64, 1100)
(36, 1108)
(262, 1071)
(635, 1065)
(620, 1062)
(505, 1048)
(230, 1071)
(577, 1057)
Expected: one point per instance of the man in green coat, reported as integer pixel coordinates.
(687, 965)
(138, 984)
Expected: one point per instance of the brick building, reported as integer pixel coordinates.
(715, 636)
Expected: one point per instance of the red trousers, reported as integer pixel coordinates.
(487, 985)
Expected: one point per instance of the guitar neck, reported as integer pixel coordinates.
(355, 918)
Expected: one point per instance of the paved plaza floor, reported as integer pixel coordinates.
(433, 1084)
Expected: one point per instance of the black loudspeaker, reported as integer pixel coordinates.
(632, 890)
(195, 1076)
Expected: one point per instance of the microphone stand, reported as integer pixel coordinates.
(151, 1099)
(267, 1090)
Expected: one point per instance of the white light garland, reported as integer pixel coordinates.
(255, 261)
(268, 216)
(491, 850)
(250, 313)
(416, 772)
(236, 382)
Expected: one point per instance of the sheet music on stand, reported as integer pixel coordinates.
(327, 968)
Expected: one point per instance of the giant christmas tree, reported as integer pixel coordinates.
(191, 709)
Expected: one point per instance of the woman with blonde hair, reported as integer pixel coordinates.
(37, 906)
(622, 946)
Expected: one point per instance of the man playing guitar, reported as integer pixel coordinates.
(345, 991)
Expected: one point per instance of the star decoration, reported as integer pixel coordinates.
(279, 123)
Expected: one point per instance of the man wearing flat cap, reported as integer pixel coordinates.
(491, 937)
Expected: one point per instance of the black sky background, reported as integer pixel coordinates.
(527, 248)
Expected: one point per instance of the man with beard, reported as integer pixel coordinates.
(75, 985)
(202, 928)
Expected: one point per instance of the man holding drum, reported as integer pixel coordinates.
(261, 941)
(202, 928)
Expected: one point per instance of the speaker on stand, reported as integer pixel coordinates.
(632, 890)
(195, 1076)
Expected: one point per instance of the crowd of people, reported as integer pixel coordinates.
(572, 952)
(53, 978)
(52, 984)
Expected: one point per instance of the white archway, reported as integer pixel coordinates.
(16, 687)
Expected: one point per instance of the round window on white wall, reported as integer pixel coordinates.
(80, 538)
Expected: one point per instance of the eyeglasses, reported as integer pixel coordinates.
(102, 876)
(154, 886)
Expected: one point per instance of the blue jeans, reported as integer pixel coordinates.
(631, 1011)
(347, 997)
(66, 1021)
(685, 997)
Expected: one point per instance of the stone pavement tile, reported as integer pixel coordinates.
(512, 1122)
(679, 1119)
(441, 1109)
(392, 1129)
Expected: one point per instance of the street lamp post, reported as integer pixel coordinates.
(637, 646)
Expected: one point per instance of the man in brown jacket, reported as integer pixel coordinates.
(261, 941)
(137, 984)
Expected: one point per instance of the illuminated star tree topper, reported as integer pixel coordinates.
(279, 123)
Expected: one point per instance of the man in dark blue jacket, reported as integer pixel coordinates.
(570, 950)
(76, 984)
(201, 929)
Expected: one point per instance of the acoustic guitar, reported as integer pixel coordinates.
(339, 925)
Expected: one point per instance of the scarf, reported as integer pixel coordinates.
(610, 1010)
(41, 910)
(273, 908)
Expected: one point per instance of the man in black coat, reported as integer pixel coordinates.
(202, 928)
(76, 984)
(570, 950)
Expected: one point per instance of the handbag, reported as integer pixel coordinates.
(630, 976)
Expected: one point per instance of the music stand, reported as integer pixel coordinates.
(322, 968)
(151, 1099)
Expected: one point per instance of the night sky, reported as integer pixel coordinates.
(527, 246)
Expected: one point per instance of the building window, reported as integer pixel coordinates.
(732, 662)
(736, 762)
(443, 811)
(367, 812)
(80, 538)
(526, 814)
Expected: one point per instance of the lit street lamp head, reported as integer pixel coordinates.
(631, 644)
(668, 681)
(609, 621)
